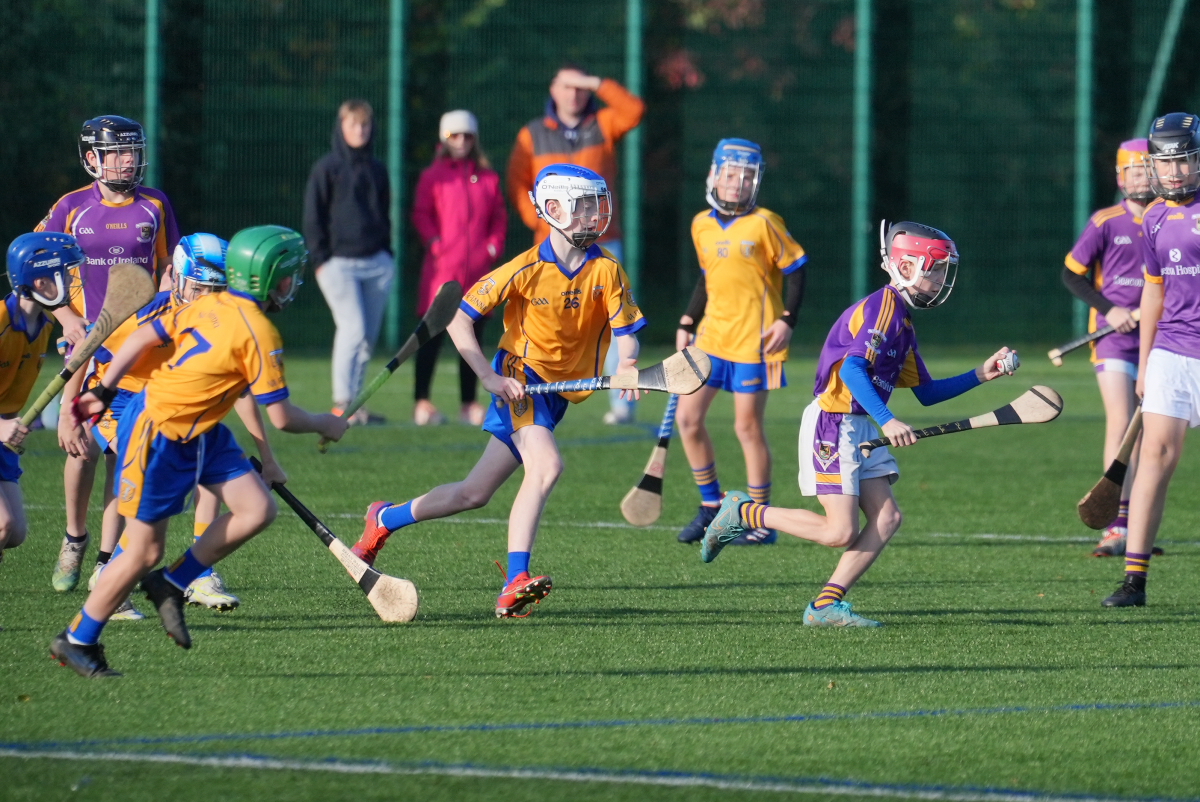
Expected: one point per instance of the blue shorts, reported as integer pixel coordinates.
(504, 418)
(155, 474)
(105, 429)
(746, 377)
(10, 465)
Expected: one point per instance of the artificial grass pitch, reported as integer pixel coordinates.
(997, 670)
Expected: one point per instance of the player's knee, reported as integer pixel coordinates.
(270, 512)
(842, 535)
(12, 533)
(689, 422)
(889, 521)
(748, 431)
(472, 498)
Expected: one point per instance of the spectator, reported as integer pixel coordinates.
(459, 213)
(347, 229)
(575, 130)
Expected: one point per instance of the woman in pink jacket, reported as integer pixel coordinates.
(459, 213)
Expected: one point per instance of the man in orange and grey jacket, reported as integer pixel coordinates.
(576, 130)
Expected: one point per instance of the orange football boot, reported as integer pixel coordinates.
(374, 534)
(521, 591)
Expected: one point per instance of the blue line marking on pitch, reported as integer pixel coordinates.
(603, 724)
(633, 776)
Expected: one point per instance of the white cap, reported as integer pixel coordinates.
(459, 121)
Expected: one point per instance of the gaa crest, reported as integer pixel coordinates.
(826, 453)
(876, 339)
(128, 488)
(486, 286)
(748, 248)
(145, 232)
(1196, 224)
(597, 292)
(520, 407)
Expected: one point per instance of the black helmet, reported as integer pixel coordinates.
(109, 132)
(1174, 148)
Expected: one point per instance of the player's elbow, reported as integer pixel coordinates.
(282, 415)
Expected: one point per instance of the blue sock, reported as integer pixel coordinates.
(710, 487)
(185, 570)
(397, 516)
(85, 630)
(518, 563)
(206, 571)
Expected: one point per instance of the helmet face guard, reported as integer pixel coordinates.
(44, 255)
(582, 194)
(1133, 171)
(261, 259)
(931, 256)
(737, 165)
(1174, 149)
(277, 298)
(118, 145)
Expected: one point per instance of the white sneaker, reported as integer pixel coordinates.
(70, 563)
(614, 418)
(94, 577)
(127, 612)
(209, 591)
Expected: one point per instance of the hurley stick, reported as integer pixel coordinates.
(1099, 507)
(1056, 354)
(643, 504)
(682, 373)
(1037, 405)
(395, 600)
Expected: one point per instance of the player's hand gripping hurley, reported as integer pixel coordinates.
(1039, 404)
(1099, 507)
(394, 599)
(440, 313)
(1056, 354)
(130, 288)
(682, 373)
(643, 504)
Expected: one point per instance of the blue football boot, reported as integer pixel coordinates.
(837, 614)
(695, 530)
(726, 526)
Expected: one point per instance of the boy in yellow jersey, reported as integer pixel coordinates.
(170, 436)
(870, 351)
(566, 298)
(742, 315)
(197, 269)
(39, 269)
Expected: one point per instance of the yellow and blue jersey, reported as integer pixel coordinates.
(224, 344)
(22, 351)
(137, 376)
(744, 260)
(556, 323)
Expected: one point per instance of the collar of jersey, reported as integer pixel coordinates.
(17, 318)
(1125, 205)
(715, 215)
(245, 295)
(546, 254)
(100, 197)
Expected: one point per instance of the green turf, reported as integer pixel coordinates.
(639, 630)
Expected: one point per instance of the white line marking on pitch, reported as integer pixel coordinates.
(670, 779)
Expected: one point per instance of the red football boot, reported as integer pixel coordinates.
(374, 534)
(519, 592)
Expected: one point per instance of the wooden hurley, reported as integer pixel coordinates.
(130, 288)
(395, 600)
(682, 373)
(1056, 354)
(1037, 405)
(441, 312)
(643, 504)
(1099, 507)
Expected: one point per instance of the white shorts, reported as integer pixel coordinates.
(830, 462)
(1173, 386)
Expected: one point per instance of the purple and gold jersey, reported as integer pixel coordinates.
(1172, 254)
(878, 329)
(142, 230)
(744, 261)
(1110, 249)
(559, 324)
(21, 354)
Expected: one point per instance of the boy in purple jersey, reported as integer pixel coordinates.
(1104, 270)
(1169, 359)
(871, 350)
(114, 219)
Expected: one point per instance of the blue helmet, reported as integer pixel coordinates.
(46, 254)
(568, 184)
(740, 161)
(200, 258)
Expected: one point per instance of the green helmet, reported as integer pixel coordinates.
(260, 258)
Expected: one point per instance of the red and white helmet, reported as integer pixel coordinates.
(932, 255)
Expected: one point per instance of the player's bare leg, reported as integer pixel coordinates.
(251, 510)
(543, 467)
(883, 520)
(141, 549)
(749, 412)
(492, 470)
(208, 589)
(1120, 401)
(79, 474)
(1162, 445)
(697, 445)
(13, 526)
(111, 527)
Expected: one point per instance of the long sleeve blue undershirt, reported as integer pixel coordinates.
(858, 381)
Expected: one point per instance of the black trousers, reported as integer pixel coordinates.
(427, 362)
